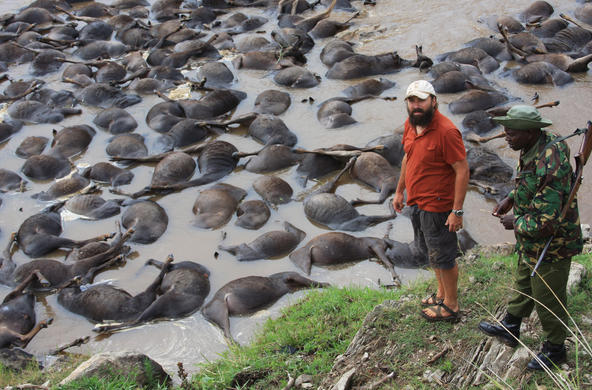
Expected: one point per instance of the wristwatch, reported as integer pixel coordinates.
(458, 213)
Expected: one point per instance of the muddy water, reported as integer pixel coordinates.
(390, 25)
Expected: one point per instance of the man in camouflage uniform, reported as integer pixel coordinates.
(543, 183)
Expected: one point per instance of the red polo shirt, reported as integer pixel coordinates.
(429, 177)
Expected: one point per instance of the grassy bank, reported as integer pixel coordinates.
(311, 334)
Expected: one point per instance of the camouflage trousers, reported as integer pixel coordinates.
(550, 291)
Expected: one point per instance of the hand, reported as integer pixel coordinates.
(502, 207)
(508, 221)
(398, 202)
(454, 222)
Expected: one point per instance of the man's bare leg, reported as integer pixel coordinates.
(440, 293)
(448, 282)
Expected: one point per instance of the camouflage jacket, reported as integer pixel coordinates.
(543, 182)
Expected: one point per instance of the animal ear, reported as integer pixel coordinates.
(302, 260)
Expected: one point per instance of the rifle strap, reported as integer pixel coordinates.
(559, 139)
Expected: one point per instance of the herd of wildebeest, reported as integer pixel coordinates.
(113, 55)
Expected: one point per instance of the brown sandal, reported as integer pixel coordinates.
(438, 310)
(431, 300)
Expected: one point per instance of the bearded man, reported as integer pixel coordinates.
(435, 174)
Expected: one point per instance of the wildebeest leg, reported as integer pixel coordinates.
(147, 297)
(150, 191)
(363, 221)
(66, 111)
(580, 64)
(36, 85)
(244, 251)
(245, 120)
(18, 290)
(156, 263)
(513, 50)
(217, 312)
(387, 188)
(297, 281)
(281, 4)
(246, 154)
(90, 275)
(205, 179)
(68, 243)
(75, 82)
(166, 306)
(8, 265)
(475, 138)
(26, 338)
(161, 264)
(341, 153)
(331, 184)
(379, 250)
(86, 19)
(82, 266)
(422, 62)
(62, 242)
(310, 22)
(571, 20)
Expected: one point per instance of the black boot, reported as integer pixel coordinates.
(551, 355)
(508, 332)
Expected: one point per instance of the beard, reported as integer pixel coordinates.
(421, 120)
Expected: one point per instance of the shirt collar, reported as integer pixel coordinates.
(527, 156)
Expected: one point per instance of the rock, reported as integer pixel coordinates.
(577, 273)
(586, 233)
(106, 365)
(586, 320)
(517, 363)
(434, 377)
(494, 361)
(303, 380)
(344, 382)
(504, 249)
(15, 359)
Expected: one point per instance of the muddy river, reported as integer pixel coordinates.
(439, 26)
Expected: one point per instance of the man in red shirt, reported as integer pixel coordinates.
(435, 173)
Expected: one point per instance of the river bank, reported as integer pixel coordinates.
(392, 348)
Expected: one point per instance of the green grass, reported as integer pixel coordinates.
(310, 334)
(34, 375)
(114, 381)
(94, 383)
(305, 339)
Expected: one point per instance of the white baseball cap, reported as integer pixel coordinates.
(420, 88)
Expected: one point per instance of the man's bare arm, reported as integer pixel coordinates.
(461, 183)
(398, 203)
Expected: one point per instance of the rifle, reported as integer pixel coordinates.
(581, 159)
